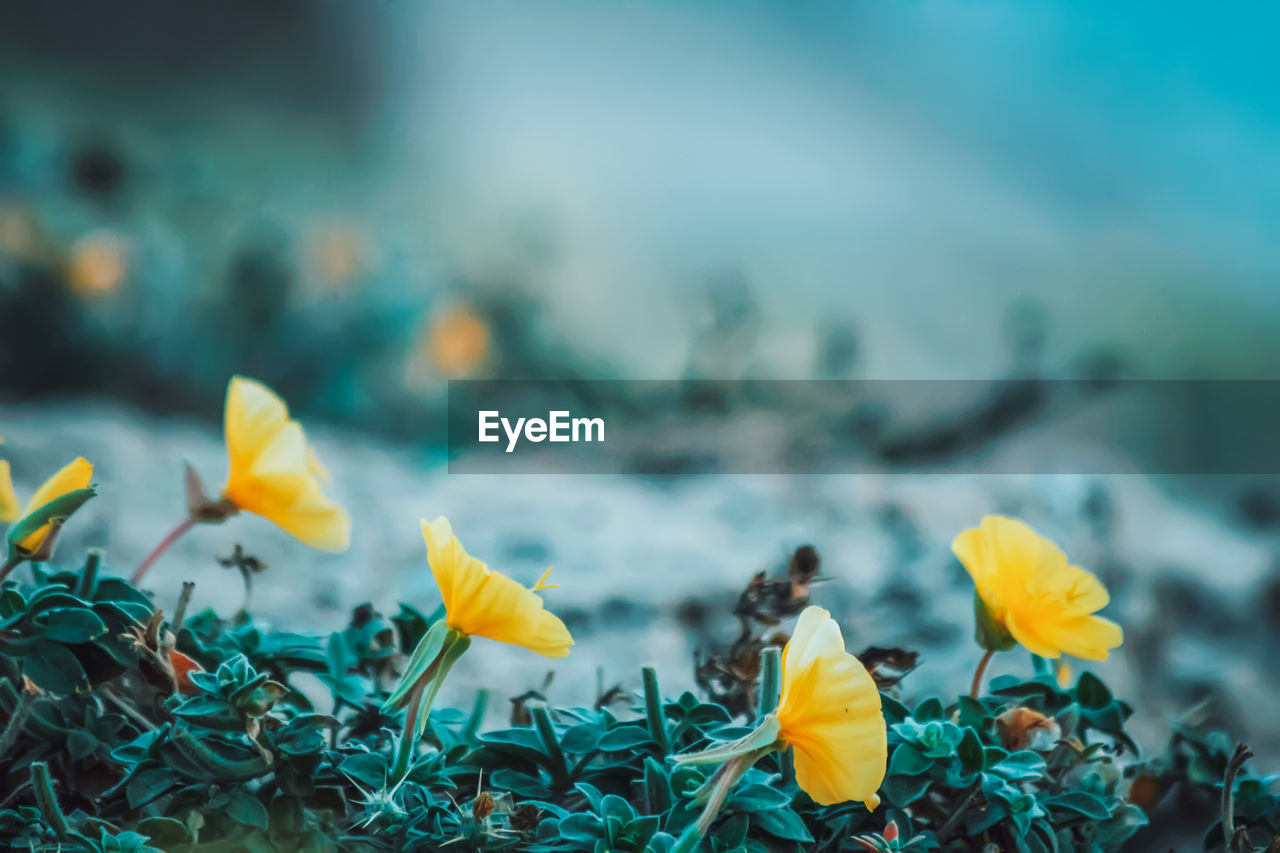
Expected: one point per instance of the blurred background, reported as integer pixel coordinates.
(356, 204)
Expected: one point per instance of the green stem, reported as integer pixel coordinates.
(975, 689)
(173, 536)
(409, 737)
(547, 732)
(180, 612)
(421, 698)
(46, 801)
(724, 780)
(654, 713)
(17, 720)
(954, 819)
(88, 581)
(770, 680)
(1238, 758)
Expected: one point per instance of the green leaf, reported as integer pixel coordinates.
(54, 668)
(902, 791)
(54, 512)
(1120, 827)
(732, 832)
(970, 753)
(1023, 765)
(1091, 692)
(423, 658)
(784, 823)
(73, 625)
(930, 709)
(165, 833)
(367, 768)
(972, 713)
(1081, 802)
(758, 797)
(521, 784)
(149, 784)
(907, 760)
(81, 744)
(581, 739)
(625, 737)
(894, 711)
(244, 808)
(614, 806)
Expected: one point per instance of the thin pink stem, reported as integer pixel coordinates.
(174, 535)
(976, 689)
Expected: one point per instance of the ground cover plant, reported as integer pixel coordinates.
(131, 724)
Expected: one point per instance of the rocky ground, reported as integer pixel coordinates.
(1194, 583)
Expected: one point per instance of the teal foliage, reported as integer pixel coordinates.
(104, 746)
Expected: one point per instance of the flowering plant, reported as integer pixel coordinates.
(126, 726)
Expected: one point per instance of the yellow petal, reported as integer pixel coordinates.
(74, 475)
(1087, 637)
(320, 524)
(274, 472)
(830, 715)
(1027, 583)
(816, 634)
(253, 416)
(480, 602)
(10, 509)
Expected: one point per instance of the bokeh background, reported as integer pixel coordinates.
(356, 203)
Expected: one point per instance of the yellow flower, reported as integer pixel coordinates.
(1029, 588)
(10, 509)
(274, 472)
(75, 475)
(830, 714)
(99, 263)
(1063, 674)
(458, 342)
(480, 602)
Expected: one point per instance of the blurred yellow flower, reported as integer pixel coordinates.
(1063, 673)
(1030, 590)
(75, 475)
(98, 263)
(480, 602)
(10, 509)
(458, 342)
(274, 472)
(830, 714)
(337, 254)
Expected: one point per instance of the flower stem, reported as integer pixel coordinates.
(174, 535)
(404, 754)
(724, 780)
(180, 612)
(88, 580)
(546, 730)
(976, 689)
(654, 713)
(421, 697)
(47, 801)
(17, 720)
(1238, 758)
(770, 680)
